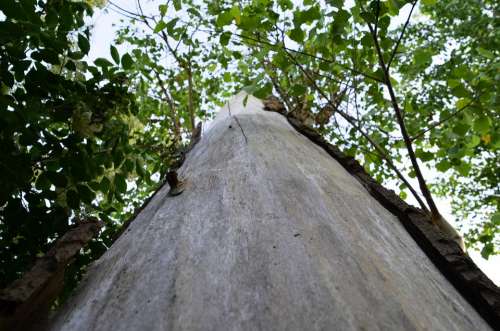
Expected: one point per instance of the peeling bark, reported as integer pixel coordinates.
(26, 302)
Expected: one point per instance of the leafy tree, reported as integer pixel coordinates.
(85, 140)
(69, 134)
(459, 96)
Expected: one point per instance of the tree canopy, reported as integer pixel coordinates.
(408, 88)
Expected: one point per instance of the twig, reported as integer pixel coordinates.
(421, 133)
(401, 35)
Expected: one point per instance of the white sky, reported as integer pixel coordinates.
(103, 34)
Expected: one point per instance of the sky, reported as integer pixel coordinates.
(102, 37)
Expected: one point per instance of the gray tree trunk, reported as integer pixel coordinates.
(270, 233)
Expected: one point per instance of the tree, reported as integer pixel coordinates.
(269, 232)
(93, 141)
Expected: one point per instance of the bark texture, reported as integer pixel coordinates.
(270, 233)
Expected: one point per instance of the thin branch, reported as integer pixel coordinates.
(401, 35)
(422, 132)
(411, 153)
(171, 103)
(129, 13)
(303, 53)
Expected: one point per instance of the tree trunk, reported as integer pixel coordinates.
(269, 233)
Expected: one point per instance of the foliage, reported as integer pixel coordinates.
(463, 85)
(70, 134)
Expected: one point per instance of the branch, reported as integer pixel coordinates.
(305, 54)
(421, 133)
(401, 35)
(421, 181)
(170, 101)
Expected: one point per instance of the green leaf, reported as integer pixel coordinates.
(482, 124)
(224, 18)
(495, 219)
(160, 26)
(171, 26)
(462, 103)
(307, 16)
(424, 155)
(235, 12)
(264, 91)
(127, 61)
(104, 185)
(224, 38)
(298, 90)
(102, 62)
(177, 5)
(83, 43)
(443, 165)
(114, 54)
(297, 35)
(487, 250)
(163, 9)
(464, 168)
(336, 3)
(394, 6)
(422, 57)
